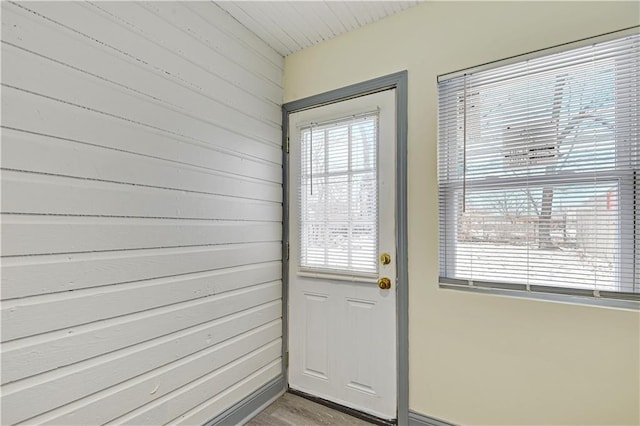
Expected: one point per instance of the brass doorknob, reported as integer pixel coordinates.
(384, 283)
(385, 258)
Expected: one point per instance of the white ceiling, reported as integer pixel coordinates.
(289, 26)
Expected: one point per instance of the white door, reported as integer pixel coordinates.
(342, 324)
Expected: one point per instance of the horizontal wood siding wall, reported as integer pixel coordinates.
(141, 212)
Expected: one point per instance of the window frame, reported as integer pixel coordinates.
(626, 219)
(338, 273)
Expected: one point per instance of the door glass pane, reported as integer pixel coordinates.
(338, 196)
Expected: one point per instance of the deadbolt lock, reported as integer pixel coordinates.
(385, 258)
(384, 283)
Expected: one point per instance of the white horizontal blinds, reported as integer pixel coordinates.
(338, 196)
(537, 166)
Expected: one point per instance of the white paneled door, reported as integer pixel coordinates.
(342, 264)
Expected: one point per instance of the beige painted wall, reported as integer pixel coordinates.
(480, 359)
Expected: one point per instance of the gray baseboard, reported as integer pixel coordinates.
(417, 419)
(251, 405)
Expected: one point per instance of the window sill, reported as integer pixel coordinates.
(557, 295)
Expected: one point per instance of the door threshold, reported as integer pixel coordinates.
(347, 410)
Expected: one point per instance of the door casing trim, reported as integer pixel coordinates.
(399, 82)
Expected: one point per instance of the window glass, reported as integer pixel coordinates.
(537, 172)
(338, 196)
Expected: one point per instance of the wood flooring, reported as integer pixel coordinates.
(293, 410)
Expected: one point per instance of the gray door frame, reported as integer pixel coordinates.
(399, 82)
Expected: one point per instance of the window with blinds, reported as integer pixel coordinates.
(338, 196)
(537, 173)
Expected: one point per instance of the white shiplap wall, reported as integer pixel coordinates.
(141, 212)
